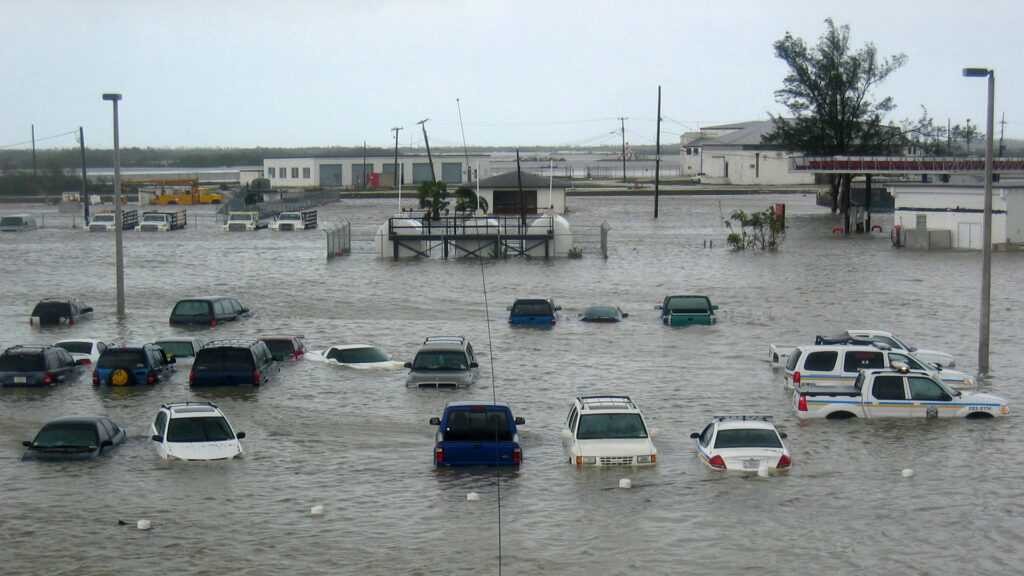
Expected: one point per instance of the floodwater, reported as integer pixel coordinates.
(358, 442)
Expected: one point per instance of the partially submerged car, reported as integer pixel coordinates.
(604, 314)
(180, 346)
(206, 311)
(608, 431)
(84, 350)
(56, 311)
(359, 356)
(442, 362)
(36, 366)
(686, 310)
(477, 434)
(131, 365)
(75, 438)
(745, 442)
(284, 347)
(195, 431)
(533, 312)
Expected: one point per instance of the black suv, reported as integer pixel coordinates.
(208, 311)
(36, 366)
(123, 366)
(54, 311)
(233, 363)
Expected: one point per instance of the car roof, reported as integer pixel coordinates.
(19, 349)
(73, 419)
(444, 343)
(177, 339)
(484, 404)
(606, 404)
(232, 343)
(279, 337)
(186, 409)
(350, 346)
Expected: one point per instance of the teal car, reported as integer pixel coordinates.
(685, 310)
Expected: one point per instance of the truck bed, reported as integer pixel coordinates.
(828, 391)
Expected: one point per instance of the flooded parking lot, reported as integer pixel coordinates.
(358, 442)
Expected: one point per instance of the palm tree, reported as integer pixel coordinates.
(433, 196)
(468, 201)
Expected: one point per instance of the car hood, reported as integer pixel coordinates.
(980, 398)
(205, 450)
(616, 447)
(60, 453)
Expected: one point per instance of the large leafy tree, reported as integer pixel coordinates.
(829, 94)
(433, 195)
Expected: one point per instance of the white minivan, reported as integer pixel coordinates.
(17, 223)
(195, 431)
(839, 365)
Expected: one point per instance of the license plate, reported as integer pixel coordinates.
(20, 379)
(751, 464)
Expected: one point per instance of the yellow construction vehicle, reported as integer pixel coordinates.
(182, 191)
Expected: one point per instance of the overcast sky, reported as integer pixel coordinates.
(235, 73)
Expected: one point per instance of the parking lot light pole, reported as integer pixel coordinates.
(118, 247)
(986, 226)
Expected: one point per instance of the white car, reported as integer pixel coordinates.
(180, 346)
(358, 356)
(195, 431)
(608, 431)
(84, 350)
(742, 442)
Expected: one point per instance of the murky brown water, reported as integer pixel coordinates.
(358, 442)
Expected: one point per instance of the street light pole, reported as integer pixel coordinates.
(986, 226)
(119, 248)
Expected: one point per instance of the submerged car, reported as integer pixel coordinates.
(686, 310)
(477, 434)
(180, 346)
(127, 366)
(442, 362)
(603, 314)
(75, 438)
(207, 311)
(56, 311)
(608, 431)
(36, 366)
(358, 356)
(284, 347)
(84, 350)
(533, 312)
(233, 363)
(195, 431)
(742, 442)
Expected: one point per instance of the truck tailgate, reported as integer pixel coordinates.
(479, 453)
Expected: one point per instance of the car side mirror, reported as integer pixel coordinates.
(156, 438)
(171, 359)
(407, 364)
(474, 365)
(86, 310)
(558, 308)
(508, 308)
(520, 420)
(695, 435)
(27, 443)
(783, 435)
(435, 421)
(106, 443)
(625, 314)
(240, 435)
(566, 434)
(654, 432)
(715, 307)
(657, 307)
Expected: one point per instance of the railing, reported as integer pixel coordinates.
(901, 164)
(339, 239)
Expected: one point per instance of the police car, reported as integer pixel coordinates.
(745, 442)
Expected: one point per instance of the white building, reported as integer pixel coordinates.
(950, 216)
(734, 154)
(539, 193)
(352, 171)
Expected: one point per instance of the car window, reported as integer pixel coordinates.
(221, 308)
(794, 359)
(595, 426)
(889, 388)
(176, 348)
(22, 362)
(192, 308)
(440, 360)
(117, 358)
(280, 348)
(199, 429)
(77, 347)
(821, 361)
(926, 389)
(747, 438)
(531, 309)
(705, 436)
(572, 419)
(160, 423)
(356, 355)
(477, 426)
(686, 305)
(224, 358)
(107, 429)
(236, 307)
(857, 360)
(67, 435)
(43, 309)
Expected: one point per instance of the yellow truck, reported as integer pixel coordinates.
(177, 192)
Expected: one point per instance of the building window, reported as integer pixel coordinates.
(305, 173)
(270, 172)
(295, 172)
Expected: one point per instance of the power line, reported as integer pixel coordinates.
(39, 139)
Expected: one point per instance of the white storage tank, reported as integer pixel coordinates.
(385, 247)
(557, 247)
(476, 227)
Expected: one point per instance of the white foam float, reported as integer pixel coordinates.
(317, 510)
(908, 473)
(144, 524)
(625, 483)
(472, 497)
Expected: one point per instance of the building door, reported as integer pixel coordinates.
(968, 236)
(330, 175)
(507, 202)
(451, 172)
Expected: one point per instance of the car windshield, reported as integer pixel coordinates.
(122, 359)
(240, 218)
(177, 348)
(77, 347)
(597, 426)
(224, 358)
(601, 312)
(66, 435)
(192, 308)
(357, 355)
(289, 216)
(478, 426)
(44, 309)
(21, 362)
(445, 360)
(11, 221)
(199, 429)
(747, 438)
(531, 309)
(280, 348)
(687, 305)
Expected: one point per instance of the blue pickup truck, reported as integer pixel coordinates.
(477, 434)
(685, 310)
(533, 311)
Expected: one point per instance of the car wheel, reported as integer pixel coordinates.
(122, 377)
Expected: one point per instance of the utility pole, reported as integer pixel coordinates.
(430, 159)
(398, 176)
(85, 188)
(465, 149)
(363, 171)
(1002, 127)
(657, 156)
(622, 122)
(34, 173)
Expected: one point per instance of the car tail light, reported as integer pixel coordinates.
(517, 455)
(438, 455)
(802, 404)
(95, 377)
(85, 362)
(191, 377)
(150, 377)
(299, 353)
(784, 462)
(717, 462)
(31, 322)
(256, 377)
(48, 378)
(552, 320)
(71, 321)
(775, 357)
(213, 322)
(796, 378)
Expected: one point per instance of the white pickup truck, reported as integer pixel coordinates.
(778, 354)
(895, 393)
(244, 222)
(107, 221)
(162, 221)
(302, 220)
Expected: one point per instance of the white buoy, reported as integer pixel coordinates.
(908, 472)
(317, 510)
(144, 525)
(625, 483)
(472, 497)
(762, 469)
